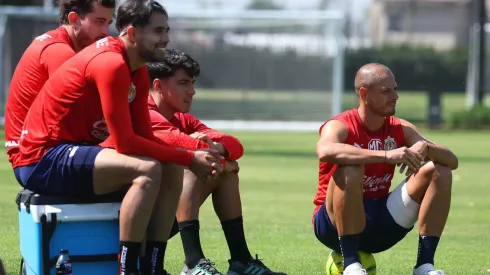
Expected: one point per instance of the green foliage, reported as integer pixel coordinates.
(235, 67)
(415, 68)
(474, 118)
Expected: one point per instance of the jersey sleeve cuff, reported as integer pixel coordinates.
(234, 148)
(185, 157)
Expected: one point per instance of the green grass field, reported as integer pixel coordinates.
(278, 182)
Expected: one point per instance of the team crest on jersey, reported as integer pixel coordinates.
(132, 93)
(390, 144)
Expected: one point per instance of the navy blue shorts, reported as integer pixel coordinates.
(65, 170)
(380, 234)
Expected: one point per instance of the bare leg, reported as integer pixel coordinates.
(226, 197)
(346, 210)
(431, 188)
(113, 172)
(165, 208)
(344, 201)
(193, 195)
(162, 219)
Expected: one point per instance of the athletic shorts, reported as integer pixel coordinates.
(388, 220)
(65, 170)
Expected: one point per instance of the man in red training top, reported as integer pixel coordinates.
(101, 90)
(82, 23)
(358, 151)
(169, 102)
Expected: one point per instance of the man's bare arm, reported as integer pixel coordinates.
(436, 153)
(332, 149)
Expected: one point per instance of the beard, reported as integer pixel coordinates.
(149, 55)
(84, 40)
(383, 112)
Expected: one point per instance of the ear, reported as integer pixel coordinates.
(131, 33)
(74, 19)
(363, 93)
(157, 85)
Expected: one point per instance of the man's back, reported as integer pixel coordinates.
(69, 106)
(40, 60)
(377, 176)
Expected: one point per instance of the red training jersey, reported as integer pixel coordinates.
(377, 176)
(40, 60)
(91, 95)
(176, 132)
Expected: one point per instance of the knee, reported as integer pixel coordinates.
(151, 173)
(442, 175)
(350, 176)
(438, 174)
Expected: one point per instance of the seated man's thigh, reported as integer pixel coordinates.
(65, 170)
(85, 171)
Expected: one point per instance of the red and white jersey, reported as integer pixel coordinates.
(91, 96)
(41, 59)
(377, 176)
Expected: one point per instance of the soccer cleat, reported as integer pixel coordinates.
(427, 269)
(204, 267)
(355, 269)
(254, 267)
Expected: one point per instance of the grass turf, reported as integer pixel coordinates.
(278, 182)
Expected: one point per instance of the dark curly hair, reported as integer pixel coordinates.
(173, 61)
(82, 7)
(137, 13)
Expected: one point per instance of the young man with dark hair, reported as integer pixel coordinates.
(100, 91)
(170, 101)
(82, 23)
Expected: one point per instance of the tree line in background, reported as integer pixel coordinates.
(416, 69)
